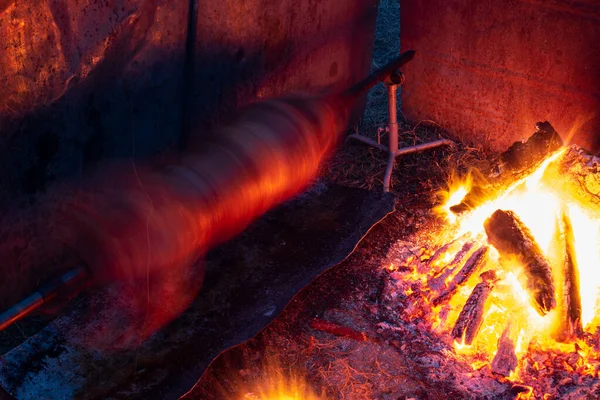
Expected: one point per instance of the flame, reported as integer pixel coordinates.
(586, 233)
(539, 206)
(278, 383)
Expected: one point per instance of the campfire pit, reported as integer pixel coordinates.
(497, 301)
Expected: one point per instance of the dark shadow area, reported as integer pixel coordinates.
(249, 281)
(126, 109)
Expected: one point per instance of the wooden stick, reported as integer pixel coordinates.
(512, 238)
(572, 294)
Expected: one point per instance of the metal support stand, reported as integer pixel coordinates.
(392, 82)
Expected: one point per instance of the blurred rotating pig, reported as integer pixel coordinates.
(145, 230)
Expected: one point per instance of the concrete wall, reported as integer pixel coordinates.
(81, 82)
(488, 70)
(263, 48)
(84, 81)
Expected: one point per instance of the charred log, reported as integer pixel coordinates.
(439, 252)
(512, 238)
(472, 265)
(519, 160)
(505, 361)
(519, 389)
(579, 178)
(526, 156)
(471, 316)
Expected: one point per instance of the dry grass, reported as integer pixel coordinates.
(359, 165)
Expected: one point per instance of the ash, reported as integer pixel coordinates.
(396, 354)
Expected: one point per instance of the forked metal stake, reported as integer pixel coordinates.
(392, 82)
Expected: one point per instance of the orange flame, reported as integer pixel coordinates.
(538, 205)
(278, 383)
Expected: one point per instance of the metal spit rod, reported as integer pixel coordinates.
(44, 294)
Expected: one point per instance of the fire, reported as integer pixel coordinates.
(510, 316)
(586, 233)
(281, 389)
(278, 383)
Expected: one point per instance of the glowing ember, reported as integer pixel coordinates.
(500, 315)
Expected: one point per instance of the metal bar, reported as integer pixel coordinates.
(387, 176)
(368, 141)
(379, 75)
(392, 118)
(424, 146)
(20, 310)
(41, 296)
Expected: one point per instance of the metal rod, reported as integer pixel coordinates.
(392, 78)
(392, 118)
(44, 294)
(368, 141)
(379, 75)
(392, 136)
(387, 177)
(424, 146)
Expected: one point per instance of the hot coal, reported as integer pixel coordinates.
(570, 298)
(471, 316)
(513, 239)
(505, 361)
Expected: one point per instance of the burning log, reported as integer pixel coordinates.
(473, 264)
(570, 298)
(519, 160)
(512, 238)
(440, 252)
(579, 178)
(471, 316)
(338, 330)
(439, 280)
(450, 246)
(505, 361)
(524, 157)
